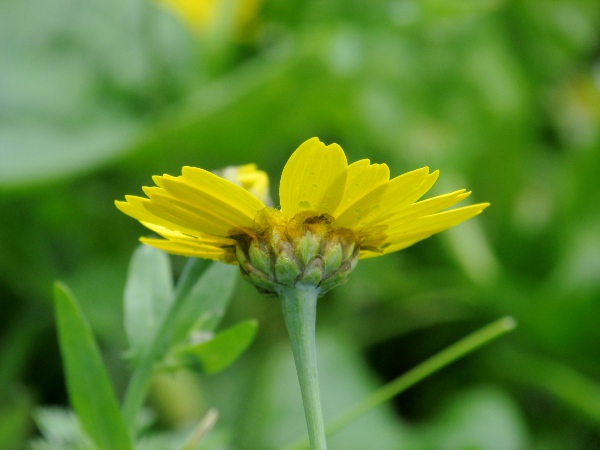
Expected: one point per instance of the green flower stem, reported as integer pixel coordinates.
(300, 312)
(445, 357)
(140, 380)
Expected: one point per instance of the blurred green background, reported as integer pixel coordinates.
(502, 96)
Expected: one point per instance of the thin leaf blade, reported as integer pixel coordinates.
(88, 383)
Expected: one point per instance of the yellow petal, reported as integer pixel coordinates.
(365, 254)
(395, 193)
(216, 192)
(136, 207)
(401, 194)
(184, 215)
(182, 244)
(363, 178)
(426, 226)
(197, 208)
(410, 233)
(186, 248)
(423, 208)
(133, 208)
(250, 178)
(204, 239)
(314, 179)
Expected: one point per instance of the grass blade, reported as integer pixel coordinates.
(90, 390)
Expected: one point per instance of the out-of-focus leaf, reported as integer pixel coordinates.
(276, 418)
(97, 283)
(15, 413)
(59, 428)
(217, 439)
(69, 92)
(56, 116)
(198, 306)
(88, 384)
(224, 349)
(204, 305)
(148, 295)
(575, 389)
(483, 419)
(37, 152)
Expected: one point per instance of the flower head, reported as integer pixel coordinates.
(331, 215)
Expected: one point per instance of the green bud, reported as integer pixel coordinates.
(286, 269)
(307, 248)
(305, 251)
(240, 255)
(349, 250)
(339, 277)
(332, 258)
(260, 258)
(313, 273)
(263, 284)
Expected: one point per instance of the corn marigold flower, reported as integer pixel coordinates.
(332, 214)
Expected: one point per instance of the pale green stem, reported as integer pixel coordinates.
(445, 357)
(300, 312)
(206, 424)
(140, 380)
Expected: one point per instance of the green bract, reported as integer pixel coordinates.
(306, 251)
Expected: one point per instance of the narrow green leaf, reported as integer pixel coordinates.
(88, 384)
(440, 360)
(202, 287)
(204, 305)
(148, 295)
(224, 349)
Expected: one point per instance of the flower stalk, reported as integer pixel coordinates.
(331, 215)
(300, 312)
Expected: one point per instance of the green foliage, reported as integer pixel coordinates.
(482, 418)
(199, 303)
(60, 429)
(169, 321)
(148, 296)
(501, 96)
(344, 382)
(203, 306)
(219, 352)
(14, 418)
(89, 386)
(87, 100)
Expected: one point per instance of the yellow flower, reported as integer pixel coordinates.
(250, 178)
(331, 215)
(206, 16)
(198, 14)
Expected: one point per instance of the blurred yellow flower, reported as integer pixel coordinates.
(206, 15)
(250, 178)
(351, 211)
(198, 14)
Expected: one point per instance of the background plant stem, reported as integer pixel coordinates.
(445, 357)
(140, 380)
